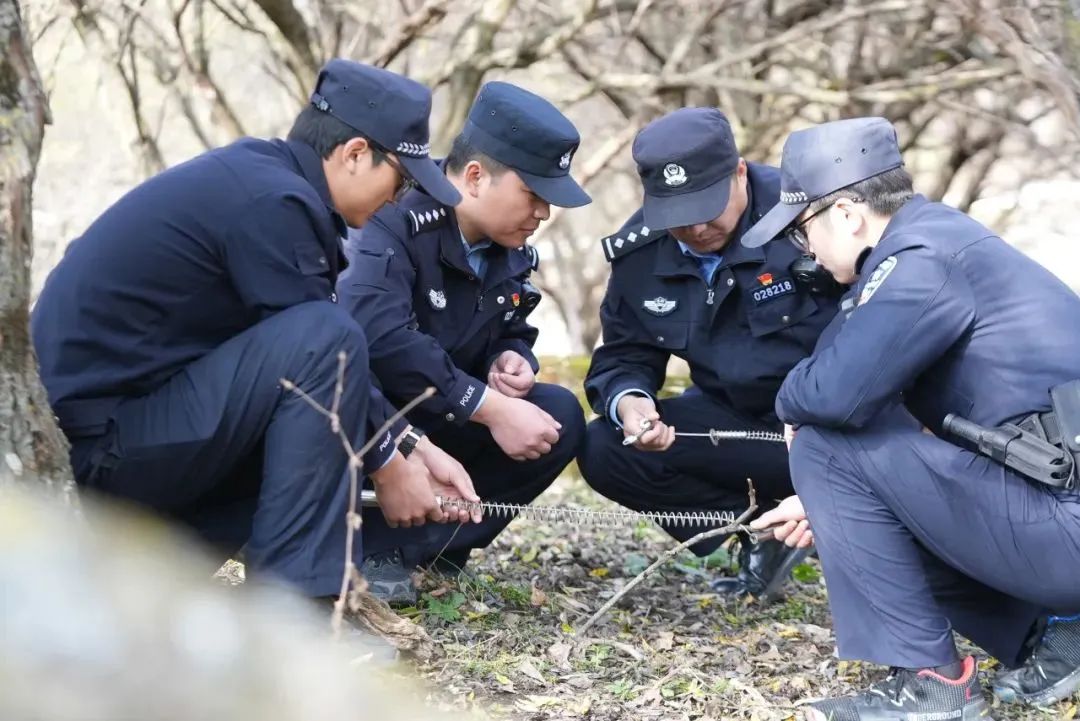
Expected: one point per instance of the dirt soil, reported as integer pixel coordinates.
(671, 649)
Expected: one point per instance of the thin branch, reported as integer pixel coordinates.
(921, 88)
(293, 28)
(240, 21)
(410, 29)
(738, 525)
(351, 577)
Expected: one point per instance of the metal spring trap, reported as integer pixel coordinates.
(576, 516)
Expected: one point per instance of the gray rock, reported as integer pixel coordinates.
(111, 616)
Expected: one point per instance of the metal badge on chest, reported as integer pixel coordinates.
(437, 299)
(660, 306)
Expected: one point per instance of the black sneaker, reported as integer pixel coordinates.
(1051, 673)
(906, 695)
(388, 579)
(763, 569)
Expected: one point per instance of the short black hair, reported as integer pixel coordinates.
(323, 132)
(884, 193)
(462, 153)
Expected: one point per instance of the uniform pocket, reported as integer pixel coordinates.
(671, 336)
(311, 259)
(779, 314)
(369, 266)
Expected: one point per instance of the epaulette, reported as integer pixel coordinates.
(627, 240)
(427, 216)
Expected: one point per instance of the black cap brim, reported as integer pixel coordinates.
(431, 178)
(677, 211)
(561, 191)
(772, 224)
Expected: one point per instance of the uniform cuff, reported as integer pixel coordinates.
(480, 402)
(613, 404)
(464, 398)
(380, 453)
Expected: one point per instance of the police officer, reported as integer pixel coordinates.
(681, 285)
(917, 534)
(164, 331)
(442, 295)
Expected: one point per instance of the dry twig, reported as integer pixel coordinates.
(374, 614)
(671, 553)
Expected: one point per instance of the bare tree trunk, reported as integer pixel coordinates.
(122, 61)
(463, 74)
(32, 449)
(290, 23)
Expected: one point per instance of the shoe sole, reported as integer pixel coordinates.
(401, 594)
(1061, 690)
(775, 587)
(974, 712)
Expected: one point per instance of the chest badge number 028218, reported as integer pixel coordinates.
(770, 288)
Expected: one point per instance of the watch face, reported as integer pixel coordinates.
(409, 441)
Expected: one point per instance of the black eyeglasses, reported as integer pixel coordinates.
(406, 181)
(797, 233)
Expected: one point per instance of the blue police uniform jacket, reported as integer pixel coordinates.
(945, 318)
(740, 335)
(430, 319)
(179, 265)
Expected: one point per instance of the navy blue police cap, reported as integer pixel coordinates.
(527, 133)
(389, 109)
(821, 160)
(685, 160)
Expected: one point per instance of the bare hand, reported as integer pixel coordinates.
(511, 375)
(633, 411)
(522, 430)
(403, 489)
(449, 479)
(790, 523)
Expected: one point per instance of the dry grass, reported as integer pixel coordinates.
(670, 650)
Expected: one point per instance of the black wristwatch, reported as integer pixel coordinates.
(409, 441)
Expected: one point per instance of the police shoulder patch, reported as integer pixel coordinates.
(628, 240)
(426, 216)
(877, 278)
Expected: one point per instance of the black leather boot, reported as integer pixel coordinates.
(763, 568)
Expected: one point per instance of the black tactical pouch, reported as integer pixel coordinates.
(1065, 400)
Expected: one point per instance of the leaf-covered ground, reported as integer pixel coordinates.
(670, 650)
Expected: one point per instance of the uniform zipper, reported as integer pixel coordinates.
(710, 294)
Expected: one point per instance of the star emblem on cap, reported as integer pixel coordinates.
(564, 161)
(674, 175)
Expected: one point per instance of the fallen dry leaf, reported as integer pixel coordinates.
(527, 668)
